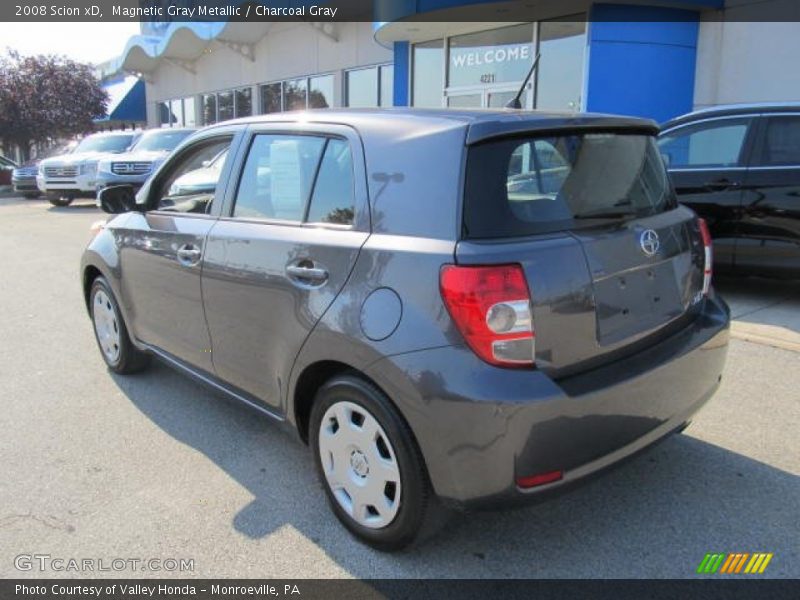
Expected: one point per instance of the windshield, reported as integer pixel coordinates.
(525, 186)
(104, 143)
(161, 141)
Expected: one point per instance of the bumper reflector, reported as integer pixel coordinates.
(540, 479)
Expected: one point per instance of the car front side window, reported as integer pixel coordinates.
(190, 184)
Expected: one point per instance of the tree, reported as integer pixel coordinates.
(44, 98)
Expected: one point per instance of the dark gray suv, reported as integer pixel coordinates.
(454, 309)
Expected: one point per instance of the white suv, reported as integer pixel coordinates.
(68, 176)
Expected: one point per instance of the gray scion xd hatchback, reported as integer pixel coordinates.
(454, 309)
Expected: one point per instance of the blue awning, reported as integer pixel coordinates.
(126, 100)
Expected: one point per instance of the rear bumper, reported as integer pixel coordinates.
(481, 427)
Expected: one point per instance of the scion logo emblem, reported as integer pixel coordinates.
(649, 242)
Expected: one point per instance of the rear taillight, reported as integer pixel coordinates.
(540, 479)
(708, 255)
(491, 307)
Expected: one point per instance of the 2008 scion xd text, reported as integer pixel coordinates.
(452, 308)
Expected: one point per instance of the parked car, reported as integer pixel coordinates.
(24, 177)
(441, 334)
(66, 177)
(739, 168)
(6, 167)
(145, 156)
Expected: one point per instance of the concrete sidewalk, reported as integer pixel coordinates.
(764, 311)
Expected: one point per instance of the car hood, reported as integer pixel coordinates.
(197, 177)
(145, 156)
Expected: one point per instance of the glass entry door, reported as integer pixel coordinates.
(488, 97)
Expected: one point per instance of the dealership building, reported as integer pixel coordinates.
(656, 59)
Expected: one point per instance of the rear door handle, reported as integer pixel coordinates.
(189, 255)
(722, 184)
(314, 275)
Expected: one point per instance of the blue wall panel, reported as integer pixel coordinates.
(641, 60)
(402, 59)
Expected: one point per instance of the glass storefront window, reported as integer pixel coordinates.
(294, 94)
(163, 113)
(209, 109)
(176, 108)
(189, 117)
(496, 56)
(270, 98)
(362, 87)
(428, 64)
(562, 44)
(225, 105)
(387, 86)
(244, 102)
(320, 92)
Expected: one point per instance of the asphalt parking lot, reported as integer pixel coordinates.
(156, 466)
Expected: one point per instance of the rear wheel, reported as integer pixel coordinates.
(369, 464)
(112, 337)
(60, 200)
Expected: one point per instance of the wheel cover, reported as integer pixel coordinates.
(359, 464)
(106, 326)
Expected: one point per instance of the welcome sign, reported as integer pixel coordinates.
(489, 64)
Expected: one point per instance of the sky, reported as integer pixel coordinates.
(86, 42)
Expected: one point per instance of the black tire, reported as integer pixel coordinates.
(419, 514)
(30, 195)
(60, 200)
(129, 359)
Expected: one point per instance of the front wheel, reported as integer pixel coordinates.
(369, 464)
(112, 337)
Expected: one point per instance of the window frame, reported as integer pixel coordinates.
(379, 72)
(154, 184)
(282, 83)
(531, 87)
(760, 142)
(745, 152)
(361, 219)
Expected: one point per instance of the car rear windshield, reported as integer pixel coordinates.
(531, 185)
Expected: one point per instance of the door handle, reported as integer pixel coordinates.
(189, 255)
(722, 184)
(304, 274)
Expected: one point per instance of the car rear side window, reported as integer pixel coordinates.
(781, 147)
(277, 177)
(525, 186)
(715, 143)
(332, 201)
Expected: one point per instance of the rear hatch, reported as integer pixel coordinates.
(612, 262)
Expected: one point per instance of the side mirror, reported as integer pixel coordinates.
(117, 199)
